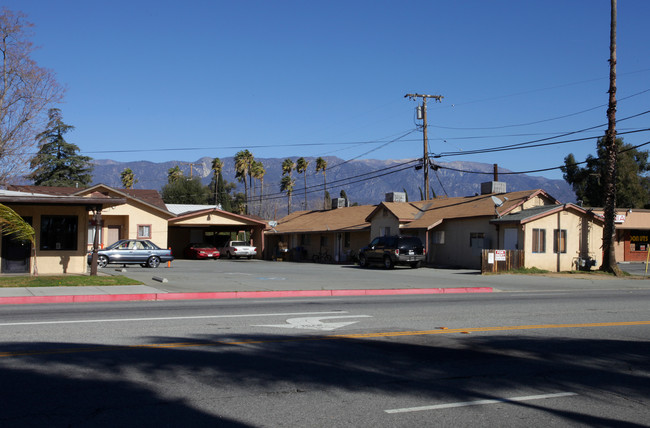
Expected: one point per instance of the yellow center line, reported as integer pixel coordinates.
(317, 338)
(482, 329)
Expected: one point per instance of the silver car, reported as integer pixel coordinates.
(132, 251)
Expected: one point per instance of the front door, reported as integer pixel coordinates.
(16, 254)
(113, 235)
(510, 238)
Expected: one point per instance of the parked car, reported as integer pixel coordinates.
(238, 249)
(132, 251)
(393, 250)
(201, 251)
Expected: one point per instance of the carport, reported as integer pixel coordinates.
(212, 225)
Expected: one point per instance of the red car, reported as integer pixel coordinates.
(201, 251)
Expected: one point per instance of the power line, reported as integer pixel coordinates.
(343, 181)
(373, 150)
(542, 89)
(254, 146)
(532, 170)
(529, 146)
(519, 145)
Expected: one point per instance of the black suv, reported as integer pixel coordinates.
(393, 250)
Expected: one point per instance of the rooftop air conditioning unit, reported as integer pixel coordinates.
(338, 203)
(396, 197)
(493, 187)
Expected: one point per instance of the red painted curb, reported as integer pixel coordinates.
(28, 300)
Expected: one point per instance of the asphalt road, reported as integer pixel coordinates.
(525, 358)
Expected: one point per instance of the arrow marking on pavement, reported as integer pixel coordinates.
(315, 323)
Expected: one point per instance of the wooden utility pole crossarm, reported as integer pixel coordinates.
(425, 157)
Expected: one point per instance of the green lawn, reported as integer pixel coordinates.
(65, 281)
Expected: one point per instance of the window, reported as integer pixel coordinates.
(476, 239)
(91, 233)
(305, 239)
(539, 240)
(346, 240)
(385, 231)
(559, 241)
(144, 231)
(639, 240)
(438, 237)
(59, 232)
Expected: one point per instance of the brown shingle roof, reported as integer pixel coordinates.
(427, 214)
(45, 190)
(342, 219)
(149, 196)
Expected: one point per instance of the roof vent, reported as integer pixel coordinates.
(396, 197)
(493, 187)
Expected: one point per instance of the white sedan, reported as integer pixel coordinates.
(237, 249)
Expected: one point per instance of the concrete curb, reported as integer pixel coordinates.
(30, 300)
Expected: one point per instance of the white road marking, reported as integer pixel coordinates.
(481, 402)
(315, 323)
(165, 318)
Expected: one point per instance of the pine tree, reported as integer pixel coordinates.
(57, 162)
(631, 176)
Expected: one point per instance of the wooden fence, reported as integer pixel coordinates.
(501, 260)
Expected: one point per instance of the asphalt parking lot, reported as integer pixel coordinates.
(262, 275)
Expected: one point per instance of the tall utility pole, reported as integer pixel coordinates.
(425, 157)
(192, 165)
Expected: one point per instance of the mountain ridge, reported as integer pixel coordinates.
(354, 176)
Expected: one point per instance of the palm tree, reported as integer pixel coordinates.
(257, 172)
(243, 161)
(13, 224)
(286, 185)
(217, 167)
(287, 166)
(287, 182)
(301, 168)
(321, 165)
(173, 174)
(128, 178)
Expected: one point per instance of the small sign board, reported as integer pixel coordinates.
(500, 255)
(620, 218)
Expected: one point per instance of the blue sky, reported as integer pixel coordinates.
(170, 80)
